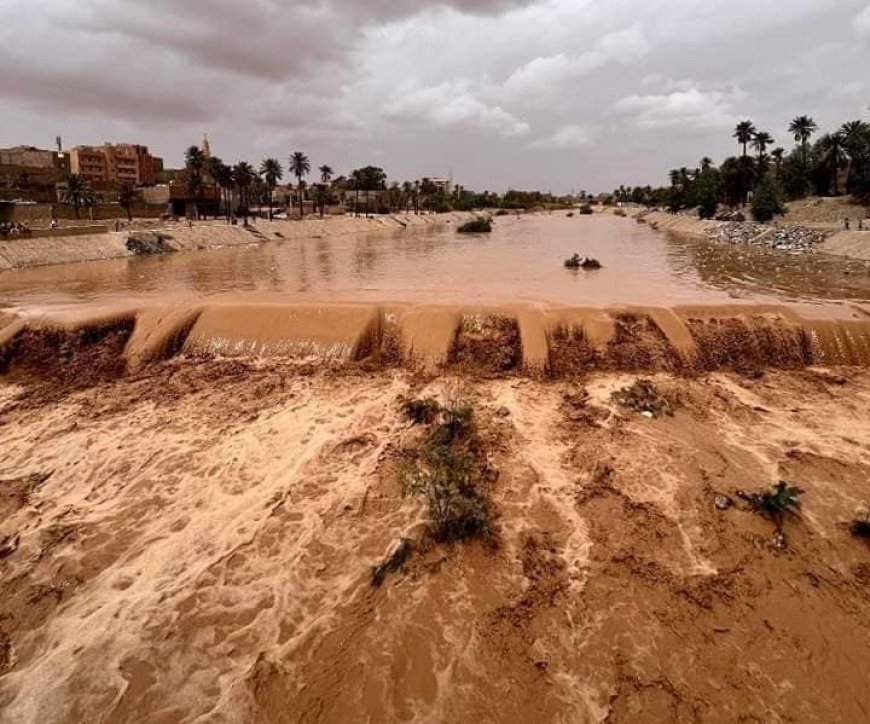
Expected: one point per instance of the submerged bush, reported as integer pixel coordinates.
(585, 210)
(782, 498)
(587, 263)
(421, 412)
(445, 474)
(480, 225)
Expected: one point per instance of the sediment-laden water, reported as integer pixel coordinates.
(521, 261)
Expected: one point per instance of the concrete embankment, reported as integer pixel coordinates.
(20, 253)
(689, 225)
(854, 244)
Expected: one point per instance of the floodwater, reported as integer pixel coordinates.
(521, 261)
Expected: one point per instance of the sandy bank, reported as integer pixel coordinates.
(195, 542)
(22, 253)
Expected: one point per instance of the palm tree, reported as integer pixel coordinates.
(195, 161)
(856, 135)
(760, 143)
(744, 132)
(300, 166)
(272, 173)
(243, 177)
(706, 163)
(223, 178)
(777, 155)
(126, 197)
(802, 128)
(75, 192)
(326, 174)
(834, 156)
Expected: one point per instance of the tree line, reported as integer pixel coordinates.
(833, 164)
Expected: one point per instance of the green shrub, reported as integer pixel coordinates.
(767, 200)
(782, 498)
(421, 412)
(480, 225)
(585, 210)
(445, 473)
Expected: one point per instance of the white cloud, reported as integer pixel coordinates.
(451, 105)
(564, 139)
(861, 23)
(687, 107)
(545, 75)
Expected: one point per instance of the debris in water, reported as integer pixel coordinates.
(395, 558)
(722, 502)
(8, 545)
(644, 397)
(587, 263)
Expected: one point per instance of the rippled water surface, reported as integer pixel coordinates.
(521, 261)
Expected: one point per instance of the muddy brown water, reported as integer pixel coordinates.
(521, 261)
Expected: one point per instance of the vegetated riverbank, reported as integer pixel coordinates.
(197, 539)
(175, 237)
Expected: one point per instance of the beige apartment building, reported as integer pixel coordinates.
(115, 163)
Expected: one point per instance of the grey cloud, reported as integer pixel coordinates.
(549, 93)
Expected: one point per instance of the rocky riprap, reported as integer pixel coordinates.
(798, 239)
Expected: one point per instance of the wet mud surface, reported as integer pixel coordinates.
(195, 540)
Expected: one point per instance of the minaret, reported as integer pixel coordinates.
(206, 148)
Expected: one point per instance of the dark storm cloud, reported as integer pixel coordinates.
(556, 94)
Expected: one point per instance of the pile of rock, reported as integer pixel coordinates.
(798, 239)
(736, 232)
(793, 238)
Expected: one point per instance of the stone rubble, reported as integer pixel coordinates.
(796, 239)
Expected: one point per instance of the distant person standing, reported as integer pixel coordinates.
(846, 223)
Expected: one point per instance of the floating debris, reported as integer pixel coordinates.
(722, 502)
(576, 262)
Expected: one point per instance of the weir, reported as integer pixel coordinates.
(544, 342)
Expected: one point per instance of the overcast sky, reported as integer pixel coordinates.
(551, 94)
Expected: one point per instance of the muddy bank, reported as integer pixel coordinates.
(196, 541)
(176, 237)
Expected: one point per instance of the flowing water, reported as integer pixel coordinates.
(521, 261)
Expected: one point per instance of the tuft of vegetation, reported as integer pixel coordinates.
(570, 214)
(421, 412)
(585, 210)
(479, 225)
(774, 503)
(502, 212)
(447, 475)
(644, 397)
(620, 212)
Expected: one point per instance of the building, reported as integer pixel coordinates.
(32, 170)
(115, 163)
(441, 185)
